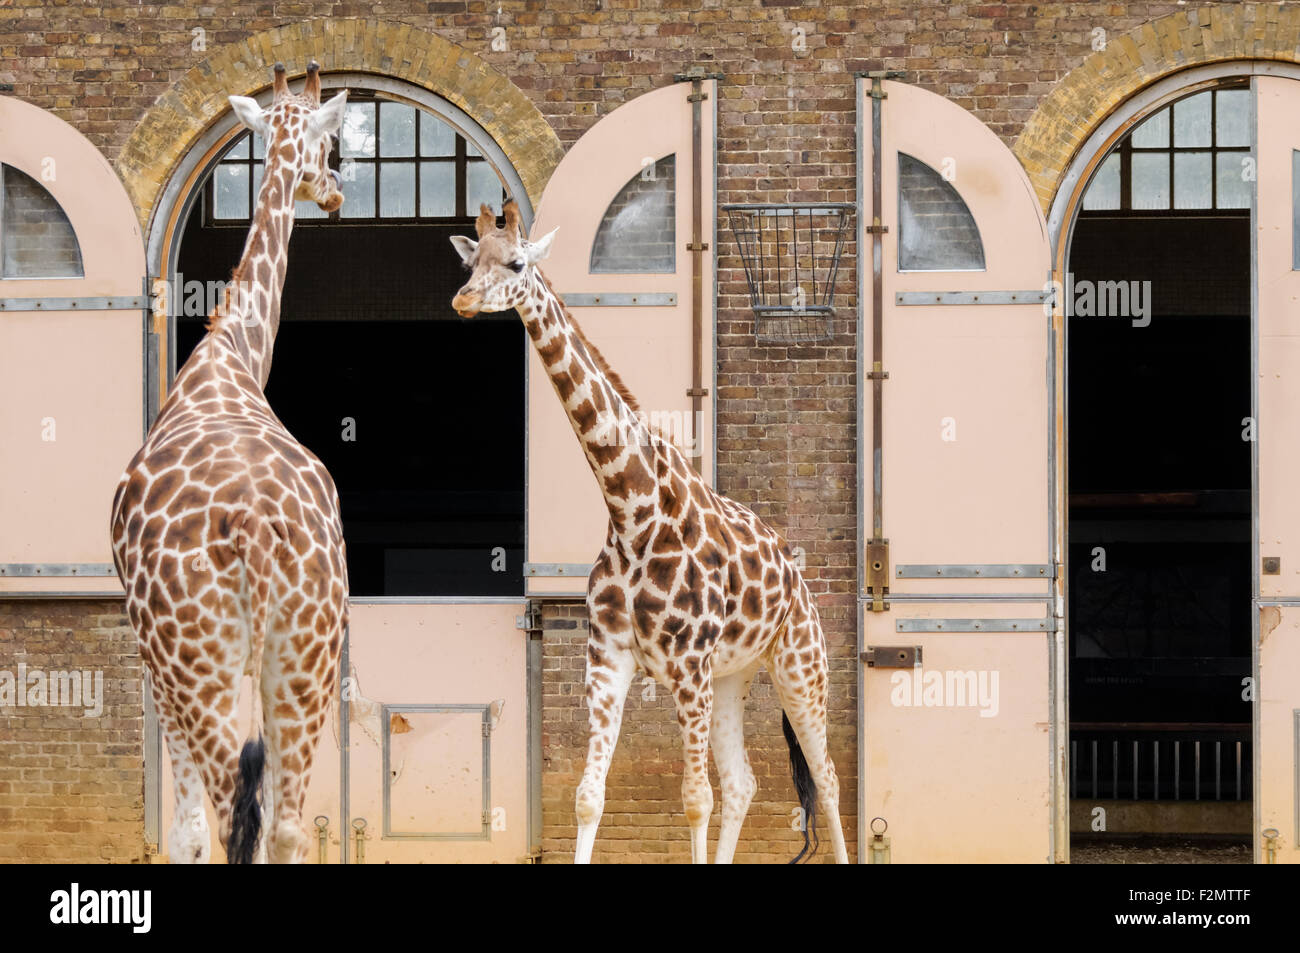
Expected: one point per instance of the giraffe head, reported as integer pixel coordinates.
(298, 132)
(499, 262)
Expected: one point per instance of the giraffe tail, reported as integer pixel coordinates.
(806, 789)
(246, 815)
(246, 810)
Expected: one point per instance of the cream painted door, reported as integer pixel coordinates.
(1277, 397)
(956, 748)
(623, 199)
(72, 271)
(437, 745)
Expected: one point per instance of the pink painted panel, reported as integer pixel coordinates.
(1278, 433)
(82, 371)
(649, 347)
(960, 776)
(966, 402)
(71, 416)
(411, 658)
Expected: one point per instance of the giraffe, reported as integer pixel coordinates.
(227, 537)
(690, 586)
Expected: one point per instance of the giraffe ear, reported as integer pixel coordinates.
(329, 118)
(465, 247)
(251, 115)
(538, 250)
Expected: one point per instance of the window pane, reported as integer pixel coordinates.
(482, 186)
(1192, 180)
(1232, 117)
(437, 189)
(397, 189)
(471, 149)
(357, 137)
(358, 190)
(257, 185)
(397, 131)
(436, 137)
(1295, 210)
(1150, 181)
(38, 238)
(1231, 181)
(1153, 133)
(259, 147)
(1103, 190)
(230, 191)
(1192, 120)
(936, 231)
(239, 150)
(637, 234)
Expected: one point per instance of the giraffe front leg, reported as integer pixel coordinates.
(694, 711)
(609, 675)
(734, 772)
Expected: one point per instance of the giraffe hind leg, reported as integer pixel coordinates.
(727, 737)
(802, 686)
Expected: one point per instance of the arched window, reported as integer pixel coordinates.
(398, 163)
(936, 231)
(637, 233)
(36, 238)
(1193, 154)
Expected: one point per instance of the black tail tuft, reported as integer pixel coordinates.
(246, 816)
(805, 788)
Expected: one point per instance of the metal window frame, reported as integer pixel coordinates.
(459, 158)
(485, 831)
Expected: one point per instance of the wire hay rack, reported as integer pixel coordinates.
(791, 254)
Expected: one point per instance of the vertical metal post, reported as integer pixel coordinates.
(345, 751)
(697, 247)
(877, 554)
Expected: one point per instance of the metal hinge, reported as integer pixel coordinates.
(892, 656)
(876, 75)
(487, 729)
(878, 573)
(531, 620)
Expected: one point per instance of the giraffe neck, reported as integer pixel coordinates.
(251, 315)
(620, 448)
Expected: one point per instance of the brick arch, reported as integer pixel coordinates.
(370, 45)
(1212, 34)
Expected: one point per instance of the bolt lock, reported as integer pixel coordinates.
(359, 838)
(878, 847)
(322, 838)
(1270, 845)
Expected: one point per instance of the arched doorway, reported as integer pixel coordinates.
(1157, 302)
(1256, 244)
(420, 417)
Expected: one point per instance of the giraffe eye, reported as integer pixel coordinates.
(516, 266)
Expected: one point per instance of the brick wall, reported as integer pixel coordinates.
(36, 238)
(786, 133)
(71, 781)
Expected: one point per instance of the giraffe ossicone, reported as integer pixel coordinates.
(227, 537)
(690, 586)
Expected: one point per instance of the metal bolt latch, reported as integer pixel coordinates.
(1270, 845)
(359, 836)
(878, 848)
(322, 838)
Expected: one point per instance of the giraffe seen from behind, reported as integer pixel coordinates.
(227, 537)
(690, 586)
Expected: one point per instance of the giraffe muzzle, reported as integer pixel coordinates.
(467, 305)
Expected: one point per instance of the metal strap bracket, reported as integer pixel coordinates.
(101, 303)
(557, 569)
(971, 297)
(1045, 624)
(974, 571)
(620, 299)
(27, 570)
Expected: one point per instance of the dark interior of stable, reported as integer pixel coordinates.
(1160, 489)
(430, 473)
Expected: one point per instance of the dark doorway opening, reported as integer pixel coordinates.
(418, 414)
(1160, 508)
